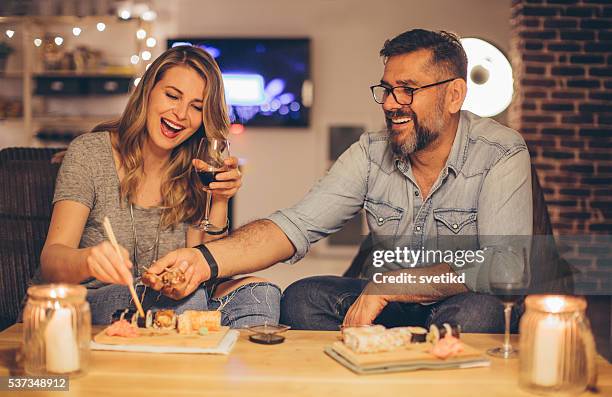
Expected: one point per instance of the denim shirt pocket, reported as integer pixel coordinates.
(455, 221)
(383, 219)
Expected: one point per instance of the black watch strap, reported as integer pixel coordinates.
(212, 263)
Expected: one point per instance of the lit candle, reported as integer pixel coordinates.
(62, 352)
(548, 345)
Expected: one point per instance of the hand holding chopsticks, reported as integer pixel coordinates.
(127, 277)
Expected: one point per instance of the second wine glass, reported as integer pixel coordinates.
(211, 154)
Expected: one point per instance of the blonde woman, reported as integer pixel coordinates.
(136, 171)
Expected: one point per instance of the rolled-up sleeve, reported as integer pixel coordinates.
(333, 201)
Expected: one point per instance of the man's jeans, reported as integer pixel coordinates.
(321, 303)
(250, 304)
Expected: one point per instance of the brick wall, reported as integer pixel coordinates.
(561, 52)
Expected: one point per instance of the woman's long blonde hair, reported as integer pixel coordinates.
(181, 198)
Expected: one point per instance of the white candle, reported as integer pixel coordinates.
(548, 345)
(62, 352)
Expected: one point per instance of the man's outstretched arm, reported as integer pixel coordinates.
(254, 246)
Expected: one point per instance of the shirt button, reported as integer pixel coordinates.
(381, 220)
(418, 228)
(455, 226)
(416, 193)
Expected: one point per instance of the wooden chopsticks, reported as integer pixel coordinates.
(113, 240)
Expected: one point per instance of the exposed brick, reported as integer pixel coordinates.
(605, 72)
(595, 24)
(533, 45)
(577, 35)
(562, 1)
(590, 107)
(603, 96)
(535, 69)
(539, 11)
(579, 11)
(581, 168)
(574, 192)
(531, 22)
(575, 215)
(596, 181)
(560, 107)
(568, 95)
(605, 118)
(608, 84)
(535, 94)
(560, 23)
(585, 118)
(582, 59)
(583, 83)
(594, 156)
(553, 154)
(538, 82)
(567, 71)
(605, 35)
(601, 227)
(540, 34)
(562, 179)
(538, 119)
(558, 131)
(598, 47)
(563, 46)
(572, 144)
(538, 58)
(528, 106)
(605, 12)
(563, 203)
(594, 132)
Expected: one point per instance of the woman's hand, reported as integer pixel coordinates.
(104, 264)
(226, 183)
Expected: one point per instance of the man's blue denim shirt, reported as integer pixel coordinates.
(483, 191)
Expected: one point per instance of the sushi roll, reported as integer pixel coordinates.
(418, 334)
(438, 332)
(165, 319)
(119, 315)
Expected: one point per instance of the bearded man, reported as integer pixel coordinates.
(436, 177)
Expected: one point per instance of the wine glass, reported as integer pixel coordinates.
(211, 153)
(509, 277)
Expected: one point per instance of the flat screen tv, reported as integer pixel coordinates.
(267, 80)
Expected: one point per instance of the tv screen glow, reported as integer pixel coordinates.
(267, 80)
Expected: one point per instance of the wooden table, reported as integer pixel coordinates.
(297, 367)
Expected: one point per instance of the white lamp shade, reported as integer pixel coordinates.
(490, 83)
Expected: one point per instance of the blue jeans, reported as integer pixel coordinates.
(321, 303)
(249, 304)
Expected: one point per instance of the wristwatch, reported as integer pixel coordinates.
(212, 263)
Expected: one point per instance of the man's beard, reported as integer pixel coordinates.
(415, 140)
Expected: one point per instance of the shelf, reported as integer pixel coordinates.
(50, 119)
(11, 74)
(73, 73)
(67, 19)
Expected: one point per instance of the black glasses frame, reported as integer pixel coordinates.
(412, 90)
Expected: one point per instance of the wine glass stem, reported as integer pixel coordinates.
(207, 209)
(507, 316)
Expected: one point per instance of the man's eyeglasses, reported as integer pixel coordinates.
(402, 94)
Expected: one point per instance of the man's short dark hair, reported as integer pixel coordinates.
(447, 52)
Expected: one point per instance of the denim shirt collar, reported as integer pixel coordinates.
(457, 155)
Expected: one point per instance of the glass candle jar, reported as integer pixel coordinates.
(557, 346)
(56, 330)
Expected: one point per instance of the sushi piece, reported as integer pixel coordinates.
(191, 321)
(438, 332)
(164, 319)
(418, 334)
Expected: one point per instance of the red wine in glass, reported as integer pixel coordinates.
(207, 177)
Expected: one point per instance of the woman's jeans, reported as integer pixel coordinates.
(249, 304)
